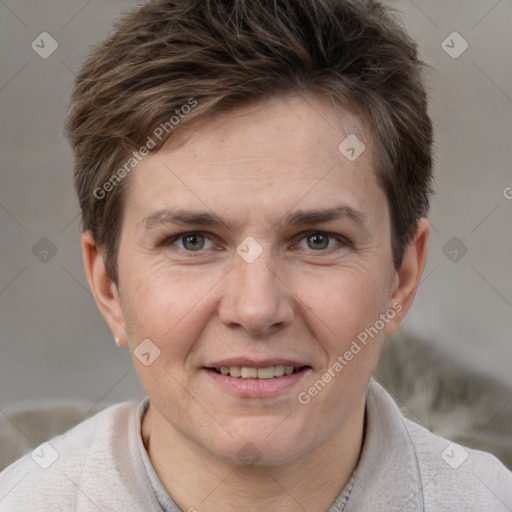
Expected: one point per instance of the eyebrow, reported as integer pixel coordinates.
(300, 217)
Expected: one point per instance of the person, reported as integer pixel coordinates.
(254, 181)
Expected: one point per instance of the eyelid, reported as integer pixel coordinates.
(173, 238)
(341, 239)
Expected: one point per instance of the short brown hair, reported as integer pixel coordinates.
(221, 53)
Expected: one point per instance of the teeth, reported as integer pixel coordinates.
(247, 372)
(279, 370)
(266, 373)
(234, 371)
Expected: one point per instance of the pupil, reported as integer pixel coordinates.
(318, 241)
(193, 242)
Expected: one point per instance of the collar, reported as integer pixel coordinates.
(165, 501)
(387, 476)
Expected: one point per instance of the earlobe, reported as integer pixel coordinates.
(103, 289)
(408, 276)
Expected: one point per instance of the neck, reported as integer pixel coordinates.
(197, 480)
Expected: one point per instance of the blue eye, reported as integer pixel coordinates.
(318, 241)
(191, 242)
(195, 241)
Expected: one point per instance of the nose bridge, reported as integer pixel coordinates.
(257, 277)
(256, 298)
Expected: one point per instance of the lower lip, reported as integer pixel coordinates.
(257, 388)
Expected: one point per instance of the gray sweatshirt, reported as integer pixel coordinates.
(101, 464)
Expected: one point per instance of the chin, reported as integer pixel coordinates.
(253, 455)
(260, 447)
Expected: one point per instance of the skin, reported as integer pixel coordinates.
(251, 167)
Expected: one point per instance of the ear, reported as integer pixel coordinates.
(104, 290)
(408, 276)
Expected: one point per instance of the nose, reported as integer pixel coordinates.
(257, 298)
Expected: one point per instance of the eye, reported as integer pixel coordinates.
(318, 241)
(191, 242)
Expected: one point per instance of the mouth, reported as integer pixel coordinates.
(246, 377)
(259, 373)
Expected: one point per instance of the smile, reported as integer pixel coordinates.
(248, 372)
(257, 381)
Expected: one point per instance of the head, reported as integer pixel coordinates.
(238, 124)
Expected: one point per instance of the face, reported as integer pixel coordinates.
(253, 247)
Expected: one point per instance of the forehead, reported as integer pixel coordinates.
(296, 127)
(304, 146)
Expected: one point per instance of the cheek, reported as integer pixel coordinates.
(346, 307)
(170, 309)
(165, 312)
(345, 300)
(345, 321)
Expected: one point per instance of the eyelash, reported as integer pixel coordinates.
(170, 240)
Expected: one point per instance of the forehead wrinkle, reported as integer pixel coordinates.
(243, 160)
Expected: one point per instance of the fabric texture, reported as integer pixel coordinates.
(101, 464)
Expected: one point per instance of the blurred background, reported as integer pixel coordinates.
(54, 345)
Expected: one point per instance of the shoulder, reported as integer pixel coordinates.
(52, 475)
(407, 467)
(457, 474)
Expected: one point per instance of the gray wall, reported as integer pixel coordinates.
(53, 342)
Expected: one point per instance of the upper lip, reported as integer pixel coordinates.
(252, 363)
